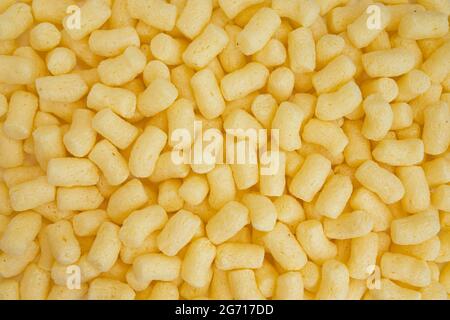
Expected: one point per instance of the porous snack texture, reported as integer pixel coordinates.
(224, 149)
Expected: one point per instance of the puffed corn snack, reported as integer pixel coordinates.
(121, 122)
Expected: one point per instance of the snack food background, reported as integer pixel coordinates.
(224, 149)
